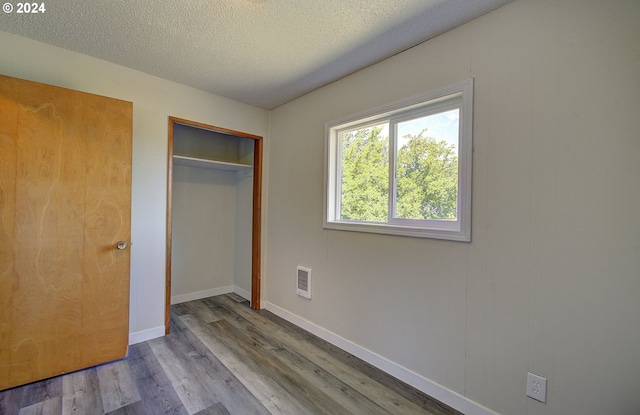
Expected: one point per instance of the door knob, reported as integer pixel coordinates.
(121, 245)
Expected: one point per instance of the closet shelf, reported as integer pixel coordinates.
(209, 164)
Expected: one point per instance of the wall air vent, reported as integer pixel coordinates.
(303, 287)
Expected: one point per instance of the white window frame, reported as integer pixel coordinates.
(458, 95)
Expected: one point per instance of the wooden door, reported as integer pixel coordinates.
(65, 197)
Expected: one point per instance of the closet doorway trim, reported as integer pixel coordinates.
(256, 216)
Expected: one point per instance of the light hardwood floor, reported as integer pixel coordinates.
(224, 358)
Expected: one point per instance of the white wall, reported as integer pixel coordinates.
(153, 100)
(551, 280)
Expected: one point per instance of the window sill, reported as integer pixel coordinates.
(450, 233)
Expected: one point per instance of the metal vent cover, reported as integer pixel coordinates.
(303, 282)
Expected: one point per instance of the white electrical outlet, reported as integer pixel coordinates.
(537, 387)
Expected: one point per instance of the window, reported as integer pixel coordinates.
(404, 168)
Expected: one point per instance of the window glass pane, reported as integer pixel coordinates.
(427, 167)
(364, 194)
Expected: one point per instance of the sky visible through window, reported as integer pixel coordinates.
(441, 126)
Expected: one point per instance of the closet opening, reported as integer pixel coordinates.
(215, 177)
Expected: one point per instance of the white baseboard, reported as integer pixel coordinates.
(242, 293)
(183, 298)
(144, 335)
(431, 388)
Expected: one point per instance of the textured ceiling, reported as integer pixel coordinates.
(261, 52)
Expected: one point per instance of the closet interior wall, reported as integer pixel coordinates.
(211, 214)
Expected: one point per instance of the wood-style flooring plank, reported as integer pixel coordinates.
(81, 393)
(215, 379)
(227, 314)
(266, 365)
(156, 393)
(272, 396)
(382, 396)
(186, 378)
(180, 309)
(136, 408)
(217, 409)
(410, 393)
(206, 314)
(117, 388)
(40, 391)
(52, 406)
(315, 379)
(10, 401)
(305, 380)
(238, 298)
